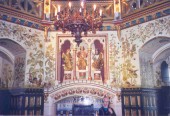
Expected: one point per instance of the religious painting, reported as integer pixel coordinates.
(87, 60)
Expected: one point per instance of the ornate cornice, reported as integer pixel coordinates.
(139, 16)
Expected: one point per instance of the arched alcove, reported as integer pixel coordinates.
(161, 67)
(12, 68)
(164, 72)
(151, 55)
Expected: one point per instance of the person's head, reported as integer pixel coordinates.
(106, 102)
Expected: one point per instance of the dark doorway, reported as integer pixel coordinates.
(83, 110)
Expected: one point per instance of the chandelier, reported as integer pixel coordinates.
(75, 20)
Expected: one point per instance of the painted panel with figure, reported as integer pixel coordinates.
(86, 61)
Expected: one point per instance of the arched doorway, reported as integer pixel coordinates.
(151, 55)
(12, 64)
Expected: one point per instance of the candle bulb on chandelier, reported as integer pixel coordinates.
(82, 4)
(69, 4)
(58, 8)
(94, 7)
(100, 12)
(55, 11)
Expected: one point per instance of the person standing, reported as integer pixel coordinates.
(106, 110)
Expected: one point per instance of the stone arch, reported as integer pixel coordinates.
(8, 54)
(15, 41)
(92, 89)
(82, 88)
(148, 59)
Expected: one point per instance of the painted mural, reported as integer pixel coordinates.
(122, 72)
(7, 75)
(19, 74)
(49, 65)
(123, 54)
(135, 38)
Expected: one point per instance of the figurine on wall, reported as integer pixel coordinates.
(97, 60)
(97, 64)
(67, 58)
(82, 61)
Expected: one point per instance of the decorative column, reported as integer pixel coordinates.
(89, 64)
(74, 63)
(59, 65)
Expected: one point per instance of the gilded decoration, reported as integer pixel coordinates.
(83, 62)
(50, 64)
(114, 57)
(84, 90)
(29, 39)
(127, 67)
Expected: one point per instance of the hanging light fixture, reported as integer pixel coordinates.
(77, 21)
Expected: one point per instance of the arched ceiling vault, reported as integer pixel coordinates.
(12, 46)
(155, 47)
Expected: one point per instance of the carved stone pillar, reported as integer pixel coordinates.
(74, 63)
(89, 64)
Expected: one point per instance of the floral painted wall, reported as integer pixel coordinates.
(19, 66)
(32, 41)
(132, 41)
(7, 73)
(124, 63)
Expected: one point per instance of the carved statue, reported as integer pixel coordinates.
(97, 60)
(82, 62)
(67, 58)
